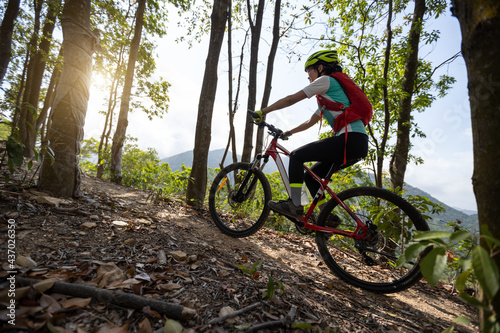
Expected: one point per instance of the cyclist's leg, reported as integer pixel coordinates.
(332, 152)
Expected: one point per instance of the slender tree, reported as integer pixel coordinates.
(197, 184)
(399, 160)
(255, 28)
(60, 171)
(121, 127)
(32, 93)
(480, 27)
(6, 30)
(269, 72)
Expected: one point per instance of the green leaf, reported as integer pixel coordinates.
(486, 271)
(462, 320)
(474, 301)
(303, 325)
(255, 267)
(431, 235)
(410, 253)
(243, 269)
(459, 236)
(270, 287)
(433, 265)
(462, 280)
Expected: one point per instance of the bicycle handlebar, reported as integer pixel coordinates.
(274, 131)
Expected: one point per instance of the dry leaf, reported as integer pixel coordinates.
(179, 255)
(169, 286)
(120, 223)
(49, 303)
(145, 326)
(76, 302)
(25, 262)
(109, 273)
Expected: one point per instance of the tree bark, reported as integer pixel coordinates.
(122, 124)
(6, 30)
(399, 159)
(252, 77)
(480, 27)
(197, 184)
(60, 172)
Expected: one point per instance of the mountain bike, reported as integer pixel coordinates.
(376, 225)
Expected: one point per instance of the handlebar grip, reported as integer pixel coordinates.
(253, 114)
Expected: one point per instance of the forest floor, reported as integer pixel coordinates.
(115, 262)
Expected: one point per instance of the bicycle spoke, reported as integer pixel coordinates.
(371, 263)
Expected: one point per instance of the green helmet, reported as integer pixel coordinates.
(323, 56)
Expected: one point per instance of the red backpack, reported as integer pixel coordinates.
(360, 107)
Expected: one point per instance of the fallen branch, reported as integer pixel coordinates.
(275, 324)
(233, 314)
(119, 298)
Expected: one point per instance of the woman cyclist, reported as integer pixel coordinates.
(325, 152)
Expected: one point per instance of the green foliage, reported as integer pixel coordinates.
(140, 169)
(476, 263)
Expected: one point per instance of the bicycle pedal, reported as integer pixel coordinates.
(297, 222)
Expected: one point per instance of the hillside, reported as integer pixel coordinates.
(114, 261)
(470, 221)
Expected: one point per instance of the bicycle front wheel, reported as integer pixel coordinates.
(238, 200)
(371, 264)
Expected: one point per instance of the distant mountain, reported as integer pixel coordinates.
(214, 157)
(469, 219)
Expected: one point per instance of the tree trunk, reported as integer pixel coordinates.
(49, 100)
(6, 30)
(269, 73)
(231, 141)
(26, 115)
(121, 127)
(197, 184)
(61, 175)
(381, 147)
(480, 26)
(252, 77)
(37, 76)
(399, 161)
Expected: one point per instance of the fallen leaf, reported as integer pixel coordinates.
(25, 262)
(143, 276)
(169, 286)
(107, 274)
(88, 225)
(120, 223)
(172, 326)
(76, 303)
(179, 255)
(145, 326)
(49, 303)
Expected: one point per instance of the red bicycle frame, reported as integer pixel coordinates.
(275, 150)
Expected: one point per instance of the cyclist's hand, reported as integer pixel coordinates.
(258, 116)
(285, 135)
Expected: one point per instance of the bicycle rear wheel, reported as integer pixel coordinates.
(238, 200)
(371, 264)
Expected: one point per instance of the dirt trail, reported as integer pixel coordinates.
(171, 253)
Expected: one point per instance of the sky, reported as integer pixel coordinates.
(447, 149)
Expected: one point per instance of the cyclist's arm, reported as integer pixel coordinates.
(306, 124)
(285, 102)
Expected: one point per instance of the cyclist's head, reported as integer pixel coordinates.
(328, 58)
